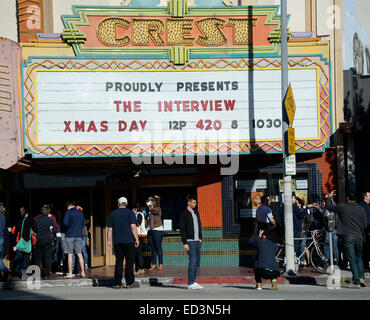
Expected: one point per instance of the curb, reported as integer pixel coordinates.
(159, 281)
(90, 282)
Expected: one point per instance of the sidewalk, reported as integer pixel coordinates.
(103, 276)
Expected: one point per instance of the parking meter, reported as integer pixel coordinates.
(330, 220)
(330, 224)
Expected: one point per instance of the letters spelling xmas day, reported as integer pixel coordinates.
(162, 106)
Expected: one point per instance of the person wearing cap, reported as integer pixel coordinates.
(122, 225)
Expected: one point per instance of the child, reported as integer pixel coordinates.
(266, 266)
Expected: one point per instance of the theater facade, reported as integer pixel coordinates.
(135, 101)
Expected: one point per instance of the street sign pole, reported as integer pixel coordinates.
(288, 208)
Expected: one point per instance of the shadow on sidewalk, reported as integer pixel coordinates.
(248, 286)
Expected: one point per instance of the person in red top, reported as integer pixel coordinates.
(50, 215)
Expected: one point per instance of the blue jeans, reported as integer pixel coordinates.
(84, 251)
(353, 249)
(3, 267)
(335, 245)
(194, 260)
(21, 260)
(155, 242)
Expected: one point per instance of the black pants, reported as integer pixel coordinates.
(366, 248)
(139, 260)
(265, 274)
(44, 251)
(124, 251)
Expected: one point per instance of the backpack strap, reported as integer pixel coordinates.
(22, 226)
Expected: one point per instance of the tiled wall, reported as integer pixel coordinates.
(216, 251)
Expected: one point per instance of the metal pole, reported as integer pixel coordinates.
(288, 209)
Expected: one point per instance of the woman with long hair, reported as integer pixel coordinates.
(156, 231)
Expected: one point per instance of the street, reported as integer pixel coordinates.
(180, 292)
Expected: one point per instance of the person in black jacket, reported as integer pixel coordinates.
(45, 230)
(351, 225)
(22, 259)
(191, 236)
(266, 266)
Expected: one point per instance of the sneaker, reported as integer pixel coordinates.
(258, 286)
(195, 286)
(132, 286)
(199, 286)
(274, 284)
(354, 286)
(362, 283)
(117, 286)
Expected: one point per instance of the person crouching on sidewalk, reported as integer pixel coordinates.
(266, 266)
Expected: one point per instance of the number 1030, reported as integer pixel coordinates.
(268, 123)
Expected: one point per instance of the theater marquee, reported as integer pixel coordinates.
(117, 107)
(147, 82)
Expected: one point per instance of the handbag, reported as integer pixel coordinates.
(22, 245)
(141, 229)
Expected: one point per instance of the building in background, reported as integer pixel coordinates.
(208, 71)
(356, 64)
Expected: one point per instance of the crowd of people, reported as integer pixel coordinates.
(47, 240)
(351, 229)
(60, 241)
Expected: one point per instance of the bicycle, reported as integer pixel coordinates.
(317, 253)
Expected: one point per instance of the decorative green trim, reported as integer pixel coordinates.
(178, 8)
(179, 55)
(275, 36)
(73, 36)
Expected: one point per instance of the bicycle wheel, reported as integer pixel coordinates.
(317, 257)
(280, 258)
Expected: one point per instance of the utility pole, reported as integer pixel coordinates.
(288, 208)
